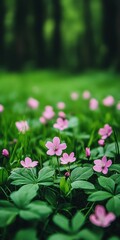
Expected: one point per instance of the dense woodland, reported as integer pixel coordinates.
(67, 34)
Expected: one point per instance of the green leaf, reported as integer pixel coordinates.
(41, 208)
(82, 185)
(115, 167)
(51, 197)
(29, 215)
(86, 234)
(107, 183)
(7, 217)
(45, 176)
(117, 191)
(113, 205)
(80, 173)
(26, 234)
(77, 221)
(64, 185)
(24, 195)
(99, 196)
(36, 210)
(3, 175)
(62, 222)
(114, 238)
(60, 236)
(22, 176)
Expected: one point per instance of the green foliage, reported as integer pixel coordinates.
(22, 176)
(3, 175)
(26, 234)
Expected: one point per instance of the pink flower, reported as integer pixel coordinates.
(33, 103)
(28, 163)
(1, 108)
(101, 218)
(55, 147)
(74, 96)
(22, 126)
(61, 114)
(86, 94)
(67, 174)
(48, 113)
(102, 165)
(93, 104)
(65, 159)
(5, 152)
(118, 106)
(108, 101)
(61, 105)
(61, 124)
(101, 142)
(87, 152)
(106, 131)
(42, 120)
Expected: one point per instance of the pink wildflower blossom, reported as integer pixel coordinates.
(65, 159)
(87, 152)
(5, 152)
(22, 126)
(42, 120)
(60, 105)
(67, 174)
(101, 142)
(105, 132)
(55, 147)
(48, 113)
(93, 104)
(61, 124)
(118, 106)
(61, 114)
(86, 94)
(101, 218)
(102, 165)
(33, 103)
(28, 163)
(74, 96)
(108, 101)
(1, 108)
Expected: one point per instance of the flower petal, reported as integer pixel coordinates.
(94, 220)
(51, 152)
(100, 211)
(56, 141)
(97, 168)
(63, 146)
(49, 144)
(108, 163)
(28, 161)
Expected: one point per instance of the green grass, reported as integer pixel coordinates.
(55, 86)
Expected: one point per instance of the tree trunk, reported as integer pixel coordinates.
(19, 47)
(56, 40)
(2, 16)
(118, 35)
(39, 14)
(88, 39)
(109, 32)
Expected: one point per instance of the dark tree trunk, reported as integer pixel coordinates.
(56, 40)
(118, 35)
(2, 15)
(18, 48)
(109, 31)
(88, 40)
(39, 14)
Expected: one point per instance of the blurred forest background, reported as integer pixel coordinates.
(72, 35)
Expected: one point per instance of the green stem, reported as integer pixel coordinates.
(58, 165)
